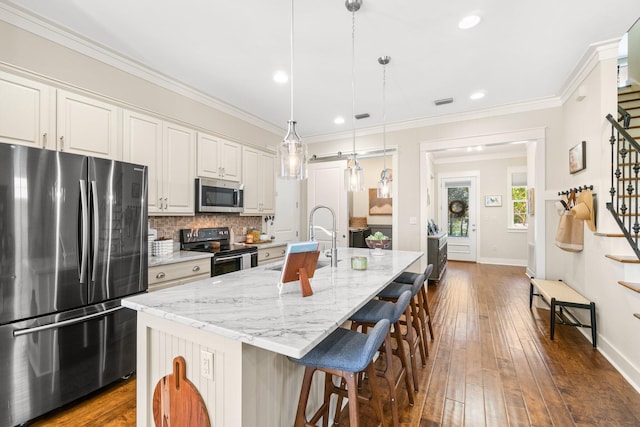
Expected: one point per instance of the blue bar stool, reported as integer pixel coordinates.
(343, 353)
(391, 293)
(371, 313)
(423, 307)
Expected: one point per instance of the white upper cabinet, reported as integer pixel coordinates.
(258, 177)
(218, 158)
(179, 169)
(87, 126)
(26, 113)
(142, 144)
(169, 151)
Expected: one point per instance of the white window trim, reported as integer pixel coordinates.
(510, 227)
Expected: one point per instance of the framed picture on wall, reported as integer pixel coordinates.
(578, 157)
(494, 200)
(379, 206)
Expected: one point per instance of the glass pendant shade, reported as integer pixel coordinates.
(384, 185)
(354, 176)
(292, 152)
(292, 155)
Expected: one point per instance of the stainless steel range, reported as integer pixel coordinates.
(228, 257)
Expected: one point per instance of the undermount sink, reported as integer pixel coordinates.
(320, 264)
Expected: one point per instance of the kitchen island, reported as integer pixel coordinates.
(249, 328)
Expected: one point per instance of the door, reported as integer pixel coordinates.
(41, 252)
(117, 202)
(458, 216)
(286, 224)
(326, 187)
(179, 169)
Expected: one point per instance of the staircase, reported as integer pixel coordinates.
(625, 177)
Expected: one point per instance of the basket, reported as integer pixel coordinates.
(358, 221)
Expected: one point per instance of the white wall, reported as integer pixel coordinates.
(497, 244)
(589, 271)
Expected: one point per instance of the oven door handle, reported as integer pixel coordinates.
(226, 258)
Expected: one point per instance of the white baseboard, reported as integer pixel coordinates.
(504, 261)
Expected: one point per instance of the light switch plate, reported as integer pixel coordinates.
(206, 364)
(413, 220)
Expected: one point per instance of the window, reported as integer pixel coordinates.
(517, 195)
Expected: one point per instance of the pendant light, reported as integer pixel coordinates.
(353, 175)
(292, 153)
(384, 185)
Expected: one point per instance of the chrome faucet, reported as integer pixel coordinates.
(312, 235)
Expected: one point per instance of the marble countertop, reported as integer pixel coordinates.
(178, 256)
(246, 305)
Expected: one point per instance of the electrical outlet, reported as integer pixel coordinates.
(413, 220)
(206, 364)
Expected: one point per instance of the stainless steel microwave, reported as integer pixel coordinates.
(218, 195)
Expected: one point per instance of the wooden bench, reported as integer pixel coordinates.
(558, 294)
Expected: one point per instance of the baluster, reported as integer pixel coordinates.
(612, 140)
(636, 169)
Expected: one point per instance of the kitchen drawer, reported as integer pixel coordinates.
(273, 253)
(178, 273)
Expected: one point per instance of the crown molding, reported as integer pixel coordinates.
(53, 32)
(501, 110)
(594, 54)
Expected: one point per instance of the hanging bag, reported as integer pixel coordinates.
(570, 234)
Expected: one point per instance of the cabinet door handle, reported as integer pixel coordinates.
(44, 140)
(62, 143)
(196, 268)
(166, 203)
(160, 275)
(160, 200)
(223, 171)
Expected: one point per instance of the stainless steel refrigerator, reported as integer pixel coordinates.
(73, 242)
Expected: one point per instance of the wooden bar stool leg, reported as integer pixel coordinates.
(375, 394)
(390, 376)
(403, 358)
(418, 326)
(301, 418)
(408, 336)
(427, 312)
(352, 395)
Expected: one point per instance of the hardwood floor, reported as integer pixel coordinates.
(491, 364)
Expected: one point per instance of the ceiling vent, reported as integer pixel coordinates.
(443, 101)
(362, 116)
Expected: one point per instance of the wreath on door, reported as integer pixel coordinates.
(457, 207)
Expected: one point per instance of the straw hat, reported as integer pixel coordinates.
(584, 209)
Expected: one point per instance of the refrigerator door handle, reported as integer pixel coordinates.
(84, 231)
(20, 332)
(96, 229)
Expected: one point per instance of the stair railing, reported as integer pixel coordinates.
(625, 180)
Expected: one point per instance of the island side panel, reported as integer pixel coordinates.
(161, 340)
(271, 386)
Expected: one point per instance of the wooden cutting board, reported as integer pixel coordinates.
(177, 402)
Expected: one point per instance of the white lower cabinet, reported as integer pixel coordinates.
(258, 177)
(168, 150)
(273, 253)
(178, 273)
(26, 112)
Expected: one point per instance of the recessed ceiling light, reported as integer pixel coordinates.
(338, 120)
(280, 77)
(477, 95)
(469, 22)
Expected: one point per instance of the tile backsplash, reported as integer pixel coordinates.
(169, 226)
